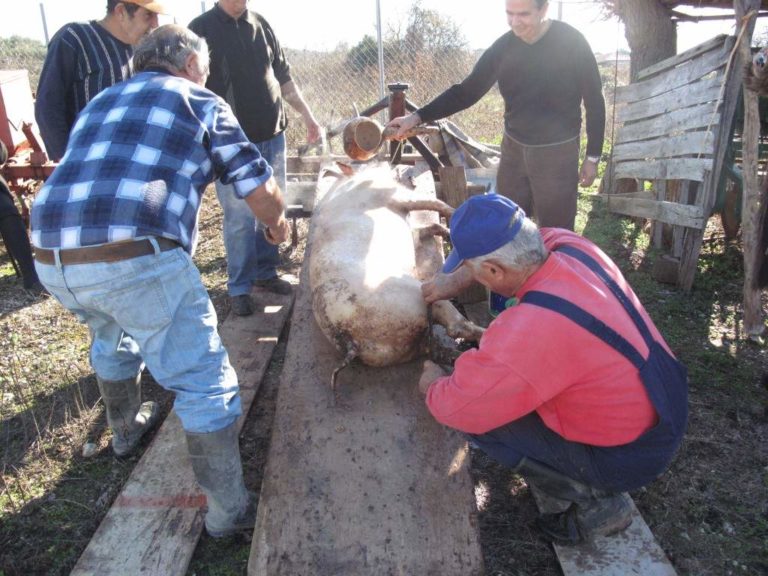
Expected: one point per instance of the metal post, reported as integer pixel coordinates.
(381, 49)
(45, 22)
(202, 6)
(396, 109)
(560, 10)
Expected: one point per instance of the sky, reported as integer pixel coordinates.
(322, 25)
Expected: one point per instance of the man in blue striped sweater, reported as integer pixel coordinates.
(83, 59)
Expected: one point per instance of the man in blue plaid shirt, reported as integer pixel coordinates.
(114, 228)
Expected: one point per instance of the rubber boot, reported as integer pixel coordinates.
(128, 418)
(215, 458)
(592, 513)
(17, 243)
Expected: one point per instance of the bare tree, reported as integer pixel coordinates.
(649, 29)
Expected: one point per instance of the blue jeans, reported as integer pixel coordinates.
(249, 256)
(153, 309)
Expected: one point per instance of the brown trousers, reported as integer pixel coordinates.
(542, 180)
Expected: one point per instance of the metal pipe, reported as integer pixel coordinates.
(382, 93)
(45, 22)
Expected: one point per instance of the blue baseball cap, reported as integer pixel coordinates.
(479, 226)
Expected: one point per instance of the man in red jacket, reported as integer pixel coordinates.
(572, 385)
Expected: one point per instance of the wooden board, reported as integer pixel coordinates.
(674, 169)
(153, 526)
(699, 143)
(634, 551)
(369, 486)
(700, 92)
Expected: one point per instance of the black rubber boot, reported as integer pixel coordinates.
(215, 458)
(592, 513)
(128, 418)
(16, 241)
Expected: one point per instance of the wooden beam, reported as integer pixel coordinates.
(683, 75)
(674, 122)
(697, 143)
(706, 90)
(660, 211)
(673, 61)
(674, 169)
(372, 485)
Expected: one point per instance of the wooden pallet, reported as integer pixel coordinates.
(154, 524)
(369, 486)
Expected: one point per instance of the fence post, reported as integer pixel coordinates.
(45, 23)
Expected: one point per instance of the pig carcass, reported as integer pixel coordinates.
(367, 261)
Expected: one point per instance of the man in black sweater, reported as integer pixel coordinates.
(250, 71)
(545, 70)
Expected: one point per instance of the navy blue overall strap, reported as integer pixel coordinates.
(586, 321)
(592, 264)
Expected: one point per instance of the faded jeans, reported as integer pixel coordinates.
(153, 309)
(249, 256)
(542, 180)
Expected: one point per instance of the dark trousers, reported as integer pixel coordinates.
(542, 180)
(14, 235)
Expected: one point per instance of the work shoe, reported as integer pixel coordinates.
(127, 416)
(215, 458)
(583, 521)
(275, 285)
(241, 305)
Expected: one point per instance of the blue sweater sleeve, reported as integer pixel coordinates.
(51, 110)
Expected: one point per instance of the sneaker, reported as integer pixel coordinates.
(241, 305)
(275, 285)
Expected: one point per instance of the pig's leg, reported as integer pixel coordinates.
(435, 229)
(455, 324)
(402, 203)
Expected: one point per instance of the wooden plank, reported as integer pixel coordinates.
(661, 211)
(680, 76)
(701, 142)
(675, 169)
(370, 486)
(677, 121)
(715, 43)
(153, 526)
(634, 551)
(455, 192)
(706, 90)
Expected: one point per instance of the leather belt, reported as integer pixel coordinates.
(112, 252)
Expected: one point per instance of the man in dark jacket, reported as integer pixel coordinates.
(249, 70)
(83, 59)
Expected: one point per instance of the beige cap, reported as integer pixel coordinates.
(150, 5)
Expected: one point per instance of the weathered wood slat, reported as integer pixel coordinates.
(715, 43)
(674, 169)
(370, 486)
(660, 211)
(153, 526)
(689, 143)
(673, 122)
(706, 90)
(675, 78)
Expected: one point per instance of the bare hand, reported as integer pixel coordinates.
(314, 131)
(445, 286)
(429, 374)
(587, 173)
(278, 233)
(404, 124)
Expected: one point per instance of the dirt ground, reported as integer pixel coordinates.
(709, 512)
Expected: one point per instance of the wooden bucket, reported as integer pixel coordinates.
(362, 137)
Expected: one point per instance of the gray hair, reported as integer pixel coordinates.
(168, 47)
(525, 251)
